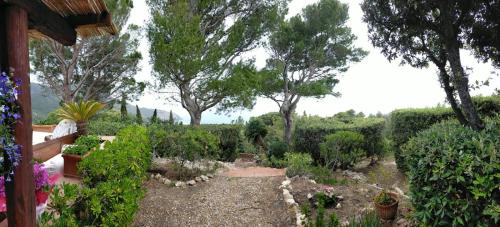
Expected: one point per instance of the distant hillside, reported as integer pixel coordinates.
(43, 101)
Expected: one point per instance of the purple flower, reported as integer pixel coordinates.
(9, 110)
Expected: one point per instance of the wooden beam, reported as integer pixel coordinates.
(102, 19)
(46, 21)
(14, 59)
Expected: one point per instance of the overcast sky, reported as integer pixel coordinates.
(371, 85)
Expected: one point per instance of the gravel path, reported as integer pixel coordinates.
(223, 201)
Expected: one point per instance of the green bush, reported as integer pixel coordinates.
(52, 119)
(128, 156)
(406, 123)
(230, 140)
(342, 149)
(311, 131)
(255, 131)
(277, 149)
(298, 164)
(487, 106)
(83, 145)
(187, 144)
(106, 128)
(454, 174)
(112, 185)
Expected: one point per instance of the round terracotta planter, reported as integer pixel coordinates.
(388, 212)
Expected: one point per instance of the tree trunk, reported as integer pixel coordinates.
(450, 96)
(460, 81)
(461, 84)
(287, 110)
(195, 117)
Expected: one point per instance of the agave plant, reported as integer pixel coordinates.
(80, 112)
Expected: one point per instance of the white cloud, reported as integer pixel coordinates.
(369, 86)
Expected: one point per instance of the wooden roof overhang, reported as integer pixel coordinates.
(65, 20)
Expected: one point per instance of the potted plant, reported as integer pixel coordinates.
(80, 112)
(72, 155)
(386, 204)
(43, 187)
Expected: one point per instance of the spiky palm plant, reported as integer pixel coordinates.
(80, 112)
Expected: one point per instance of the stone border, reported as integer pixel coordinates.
(290, 201)
(166, 181)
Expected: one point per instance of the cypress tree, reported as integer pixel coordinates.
(154, 118)
(123, 107)
(171, 118)
(138, 116)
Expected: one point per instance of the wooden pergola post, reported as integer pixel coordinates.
(14, 58)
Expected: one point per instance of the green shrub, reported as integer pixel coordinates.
(187, 144)
(128, 156)
(106, 128)
(230, 140)
(298, 164)
(342, 149)
(277, 149)
(111, 203)
(83, 145)
(112, 185)
(454, 174)
(323, 175)
(369, 219)
(255, 131)
(52, 119)
(311, 131)
(406, 123)
(487, 106)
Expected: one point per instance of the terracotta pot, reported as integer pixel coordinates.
(388, 212)
(81, 128)
(71, 164)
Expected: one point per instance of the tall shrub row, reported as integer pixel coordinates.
(112, 184)
(167, 140)
(406, 123)
(311, 132)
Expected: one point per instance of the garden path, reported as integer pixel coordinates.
(239, 196)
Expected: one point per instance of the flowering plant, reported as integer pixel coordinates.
(43, 186)
(9, 114)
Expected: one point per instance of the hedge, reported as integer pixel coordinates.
(454, 174)
(230, 139)
(310, 132)
(405, 123)
(112, 184)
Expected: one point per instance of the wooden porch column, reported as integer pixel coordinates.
(14, 59)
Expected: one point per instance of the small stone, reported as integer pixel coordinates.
(180, 184)
(402, 222)
(204, 178)
(210, 175)
(309, 196)
(152, 176)
(191, 182)
(197, 179)
(312, 181)
(338, 206)
(158, 176)
(166, 181)
(339, 197)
